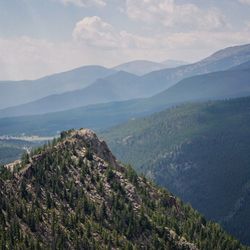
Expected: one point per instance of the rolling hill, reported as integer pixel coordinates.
(73, 194)
(200, 152)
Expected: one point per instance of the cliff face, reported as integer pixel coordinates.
(73, 194)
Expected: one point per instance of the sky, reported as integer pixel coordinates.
(41, 37)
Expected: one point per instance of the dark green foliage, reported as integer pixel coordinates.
(5, 173)
(25, 158)
(89, 154)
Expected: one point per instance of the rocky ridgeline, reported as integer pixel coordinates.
(73, 194)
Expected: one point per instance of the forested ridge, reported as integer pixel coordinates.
(73, 194)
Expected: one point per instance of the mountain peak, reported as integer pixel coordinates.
(83, 133)
(87, 139)
(73, 193)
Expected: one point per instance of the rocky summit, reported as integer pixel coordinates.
(73, 194)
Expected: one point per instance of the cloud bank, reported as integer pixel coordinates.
(244, 1)
(169, 14)
(95, 32)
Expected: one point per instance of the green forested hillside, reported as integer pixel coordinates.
(72, 194)
(201, 152)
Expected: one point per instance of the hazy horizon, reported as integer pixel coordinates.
(43, 37)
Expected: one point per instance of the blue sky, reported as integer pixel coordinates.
(40, 37)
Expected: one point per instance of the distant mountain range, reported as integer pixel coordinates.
(174, 63)
(218, 85)
(200, 152)
(14, 93)
(117, 87)
(125, 86)
(142, 67)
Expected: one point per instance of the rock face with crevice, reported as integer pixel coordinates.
(73, 194)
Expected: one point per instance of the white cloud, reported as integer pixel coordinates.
(84, 3)
(169, 14)
(94, 32)
(245, 1)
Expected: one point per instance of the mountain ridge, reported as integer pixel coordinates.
(109, 89)
(125, 88)
(232, 83)
(73, 194)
